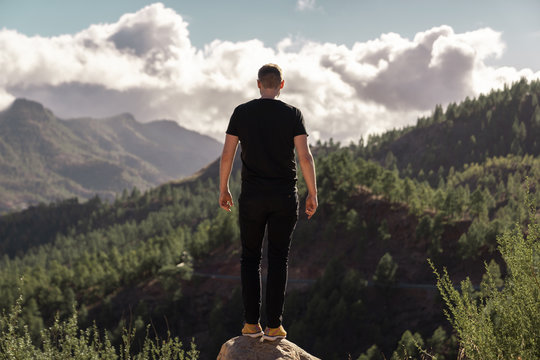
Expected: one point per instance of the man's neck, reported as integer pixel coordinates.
(269, 93)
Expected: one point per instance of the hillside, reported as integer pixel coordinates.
(358, 270)
(44, 158)
(145, 257)
(502, 122)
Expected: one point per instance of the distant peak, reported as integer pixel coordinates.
(127, 116)
(26, 104)
(122, 118)
(164, 124)
(24, 109)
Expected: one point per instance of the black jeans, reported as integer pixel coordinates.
(278, 213)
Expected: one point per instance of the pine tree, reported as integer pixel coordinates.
(385, 273)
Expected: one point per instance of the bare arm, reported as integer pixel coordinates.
(308, 171)
(225, 167)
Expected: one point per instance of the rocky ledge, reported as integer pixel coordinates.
(246, 348)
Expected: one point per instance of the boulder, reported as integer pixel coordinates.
(246, 348)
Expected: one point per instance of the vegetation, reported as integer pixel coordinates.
(109, 247)
(98, 271)
(497, 124)
(502, 320)
(64, 340)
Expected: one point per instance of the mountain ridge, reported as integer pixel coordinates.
(502, 122)
(45, 158)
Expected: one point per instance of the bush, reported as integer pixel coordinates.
(373, 353)
(64, 340)
(409, 346)
(500, 322)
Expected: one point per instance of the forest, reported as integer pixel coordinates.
(458, 188)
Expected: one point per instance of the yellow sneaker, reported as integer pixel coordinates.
(274, 333)
(252, 330)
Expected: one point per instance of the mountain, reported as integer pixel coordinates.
(170, 256)
(502, 122)
(358, 269)
(44, 158)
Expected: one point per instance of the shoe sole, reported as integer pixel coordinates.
(255, 335)
(273, 338)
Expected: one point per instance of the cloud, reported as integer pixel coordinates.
(145, 64)
(5, 99)
(303, 5)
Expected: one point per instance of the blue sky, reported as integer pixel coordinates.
(353, 67)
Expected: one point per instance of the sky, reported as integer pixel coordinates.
(354, 68)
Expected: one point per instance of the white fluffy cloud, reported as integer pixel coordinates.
(145, 64)
(305, 5)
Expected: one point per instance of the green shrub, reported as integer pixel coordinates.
(373, 353)
(409, 346)
(64, 340)
(500, 322)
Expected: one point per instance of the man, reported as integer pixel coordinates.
(269, 131)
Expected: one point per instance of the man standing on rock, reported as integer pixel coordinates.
(269, 131)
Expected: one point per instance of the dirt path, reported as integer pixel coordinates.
(399, 285)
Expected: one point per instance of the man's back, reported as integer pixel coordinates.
(266, 129)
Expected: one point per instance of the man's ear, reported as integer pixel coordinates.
(259, 84)
(282, 83)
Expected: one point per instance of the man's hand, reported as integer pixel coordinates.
(225, 200)
(311, 205)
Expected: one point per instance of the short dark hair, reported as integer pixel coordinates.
(270, 76)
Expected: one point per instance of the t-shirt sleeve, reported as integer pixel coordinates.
(232, 129)
(300, 127)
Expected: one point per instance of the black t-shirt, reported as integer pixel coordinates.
(266, 129)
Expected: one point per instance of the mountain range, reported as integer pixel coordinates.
(443, 189)
(44, 158)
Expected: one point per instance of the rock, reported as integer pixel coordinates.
(246, 348)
